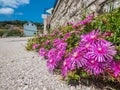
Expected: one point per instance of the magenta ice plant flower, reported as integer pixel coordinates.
(93, 66)
(78, 59)
(35, 46)
(54, 58)
(102, 51)
(86, 20)
(67, 66)
(52, 53)
(42, 52)
(70, 23)
(84, 46)
(67, 35)
(75, 25)
(51, 64)
(90, 37)
(108, 64)
(116, 69)
(57, 41)
(47, 42)
(59, 55)
(61, 46)
(60, 34)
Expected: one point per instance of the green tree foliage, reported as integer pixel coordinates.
(18, 23)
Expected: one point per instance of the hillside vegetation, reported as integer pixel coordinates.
(15, 28)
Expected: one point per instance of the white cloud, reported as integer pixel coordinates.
(6, 11)
(13, 3)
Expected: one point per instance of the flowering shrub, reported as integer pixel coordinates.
(92, 54)
(82, 50)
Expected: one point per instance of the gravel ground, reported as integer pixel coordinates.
(23, 70)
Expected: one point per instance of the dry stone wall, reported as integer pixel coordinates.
(72, 10)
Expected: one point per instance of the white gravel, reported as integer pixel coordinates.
(23, 70)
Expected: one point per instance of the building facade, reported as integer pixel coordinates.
(30, 29)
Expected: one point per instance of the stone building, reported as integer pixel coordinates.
(72, 10)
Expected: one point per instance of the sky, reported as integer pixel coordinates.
(29, 10)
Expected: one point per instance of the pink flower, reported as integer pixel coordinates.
(57, 41)
(85, 46)
(75, 26)
(52, 53)
(87, 20)
(61, 46)
(67, 35)
(60, 34)
(51, 64)
(47, 42)
(102, 51)
(54, 58)
(42, 52)
(90, 37)
(78, 59)
(116, 69)
(35, 46)
(70, 23)
(59, 55)
(66, 66)
(93, 67)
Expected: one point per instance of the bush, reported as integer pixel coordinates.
(14, 33)
(2, 32)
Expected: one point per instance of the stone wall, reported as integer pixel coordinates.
(72, 10)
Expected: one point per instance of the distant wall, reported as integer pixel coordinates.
(71, 10)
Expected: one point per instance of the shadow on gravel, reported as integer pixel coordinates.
(98, 83)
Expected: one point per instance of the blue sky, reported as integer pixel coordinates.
(29, 10)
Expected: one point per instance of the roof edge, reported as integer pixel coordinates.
(55, 8)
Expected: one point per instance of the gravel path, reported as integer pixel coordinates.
(23, 70)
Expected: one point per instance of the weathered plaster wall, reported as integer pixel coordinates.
(71, 10)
